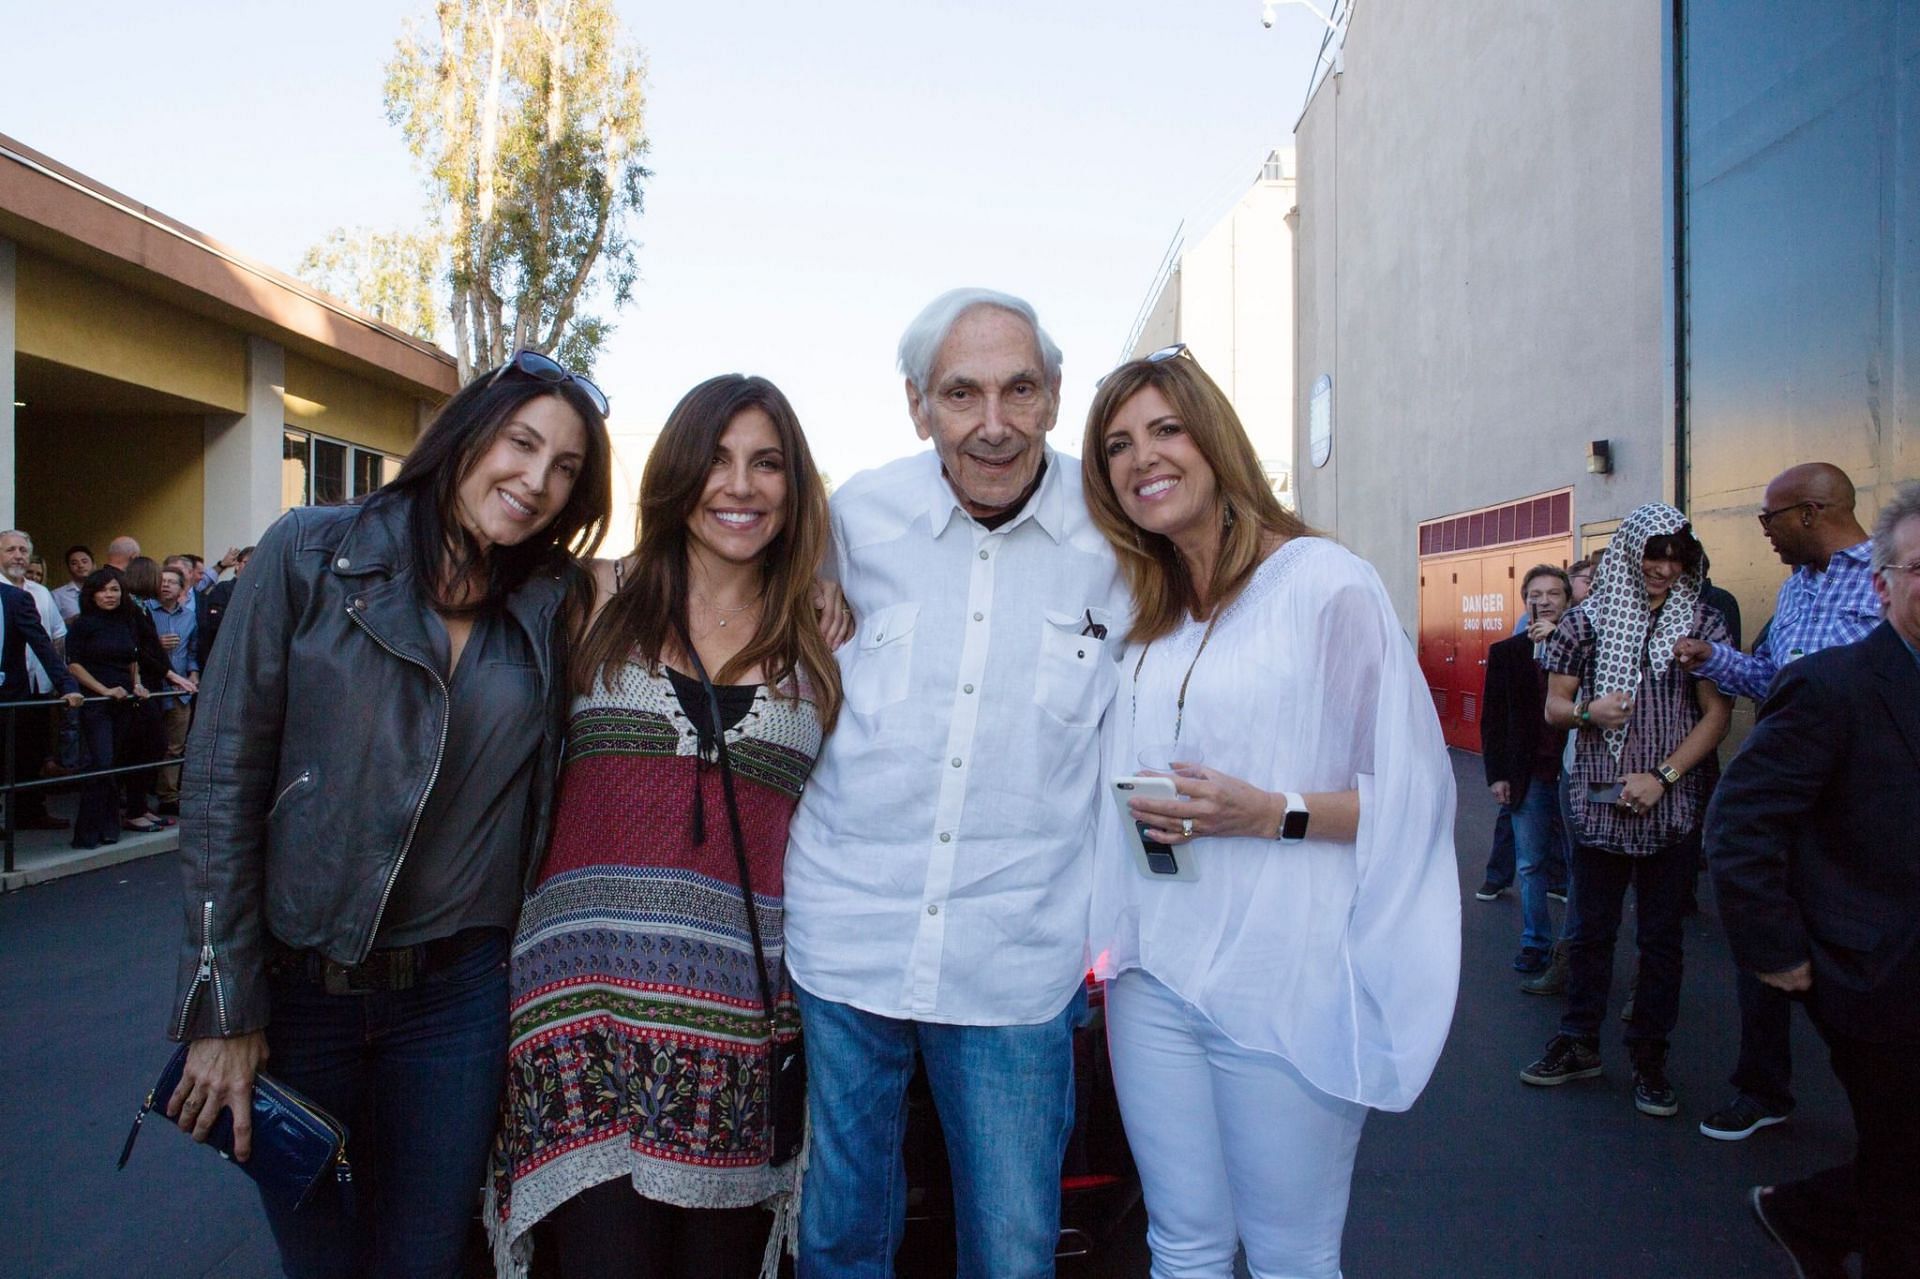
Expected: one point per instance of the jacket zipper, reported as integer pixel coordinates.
(306, 775)
(439, 754)
(205, 974)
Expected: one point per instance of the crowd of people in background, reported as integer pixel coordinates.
(916, 882)
(1604, 715)
(123, 642)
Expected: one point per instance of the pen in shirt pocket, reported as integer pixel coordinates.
(1093, 628)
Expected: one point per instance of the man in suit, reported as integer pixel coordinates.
(1522, 756)
(1815, 860)
(212, 604)
(21, 631)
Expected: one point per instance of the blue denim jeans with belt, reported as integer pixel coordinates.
(1005, 1101)
(416, 1076)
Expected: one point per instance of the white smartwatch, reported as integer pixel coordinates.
(1293, 823)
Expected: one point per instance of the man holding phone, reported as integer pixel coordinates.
(1522, 755)
(937, 873)
(1646, 730)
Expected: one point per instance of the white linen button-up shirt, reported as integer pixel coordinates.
(939, 865)
(56, 628)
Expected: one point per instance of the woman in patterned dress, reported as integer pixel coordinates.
(635, 1120)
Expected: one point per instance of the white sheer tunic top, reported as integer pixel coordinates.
(1344, 958)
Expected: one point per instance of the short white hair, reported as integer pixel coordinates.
(1904, 506)
(920, 344)
(22, 534)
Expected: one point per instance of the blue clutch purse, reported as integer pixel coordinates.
(296, 1144)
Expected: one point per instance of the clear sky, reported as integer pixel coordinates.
(821, 169)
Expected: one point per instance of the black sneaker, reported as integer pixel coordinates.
(1811, 1259)
(1531, 959)
(1489, 891)
(1566, 1058)
(1740, 1119)
(1652, 1094)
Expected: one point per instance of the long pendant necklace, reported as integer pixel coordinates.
(1180, 703)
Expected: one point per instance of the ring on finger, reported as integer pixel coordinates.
(1186, 827)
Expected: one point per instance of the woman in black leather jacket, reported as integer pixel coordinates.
(369, 773)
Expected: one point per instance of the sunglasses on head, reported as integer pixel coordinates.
(543, 368)
(1165, 353)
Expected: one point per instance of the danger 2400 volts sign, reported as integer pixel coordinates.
(1484, 612)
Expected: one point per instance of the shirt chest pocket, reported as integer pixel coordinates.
(1072, 679)
(882, 659)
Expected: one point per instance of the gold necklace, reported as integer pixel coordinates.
(727, 613)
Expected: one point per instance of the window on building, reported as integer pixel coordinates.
(1275, 169)
(316, 471)
(368, 469)
(294, 484)
(329, 473)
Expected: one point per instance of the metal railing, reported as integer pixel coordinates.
(13, 785)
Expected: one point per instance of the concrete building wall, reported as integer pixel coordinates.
(1481, 198)
(81, 320)
(330, 401)
(1229, 297)
(92, 478)
(1236, 313)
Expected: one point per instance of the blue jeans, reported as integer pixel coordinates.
(1005, 1099)
(1536, 839)
(416, 1076)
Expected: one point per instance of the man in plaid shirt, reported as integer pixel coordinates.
(1828, 600)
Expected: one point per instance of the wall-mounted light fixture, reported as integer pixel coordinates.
(1600, 457)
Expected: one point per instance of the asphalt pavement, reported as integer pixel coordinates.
(1483, 1177)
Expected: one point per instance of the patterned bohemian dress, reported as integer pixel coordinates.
(639, 1046)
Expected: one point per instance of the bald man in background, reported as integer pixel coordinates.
(121, 552)
(1807, 514)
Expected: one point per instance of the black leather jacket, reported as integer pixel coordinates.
(315, 745)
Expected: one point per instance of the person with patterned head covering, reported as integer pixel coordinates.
(1644, 741)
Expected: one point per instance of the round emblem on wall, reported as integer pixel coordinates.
(1320, 420)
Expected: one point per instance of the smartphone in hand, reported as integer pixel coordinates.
(1153, 859)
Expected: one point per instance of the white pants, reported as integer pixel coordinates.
(1232, 1145)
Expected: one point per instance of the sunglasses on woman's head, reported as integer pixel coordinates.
(1161, 356)
(542, 368)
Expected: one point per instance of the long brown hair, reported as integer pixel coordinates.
(648, 614)
(1163, 594)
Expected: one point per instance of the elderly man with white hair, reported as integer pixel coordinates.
(33, 727)
(937, 877)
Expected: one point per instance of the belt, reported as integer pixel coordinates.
(392, 968)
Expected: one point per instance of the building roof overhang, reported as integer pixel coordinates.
(58, 211)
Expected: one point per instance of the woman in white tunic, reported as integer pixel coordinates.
(1256, 1012)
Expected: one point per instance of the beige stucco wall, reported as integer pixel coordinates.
(330, 401)
(85, 321)
(90, 479)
